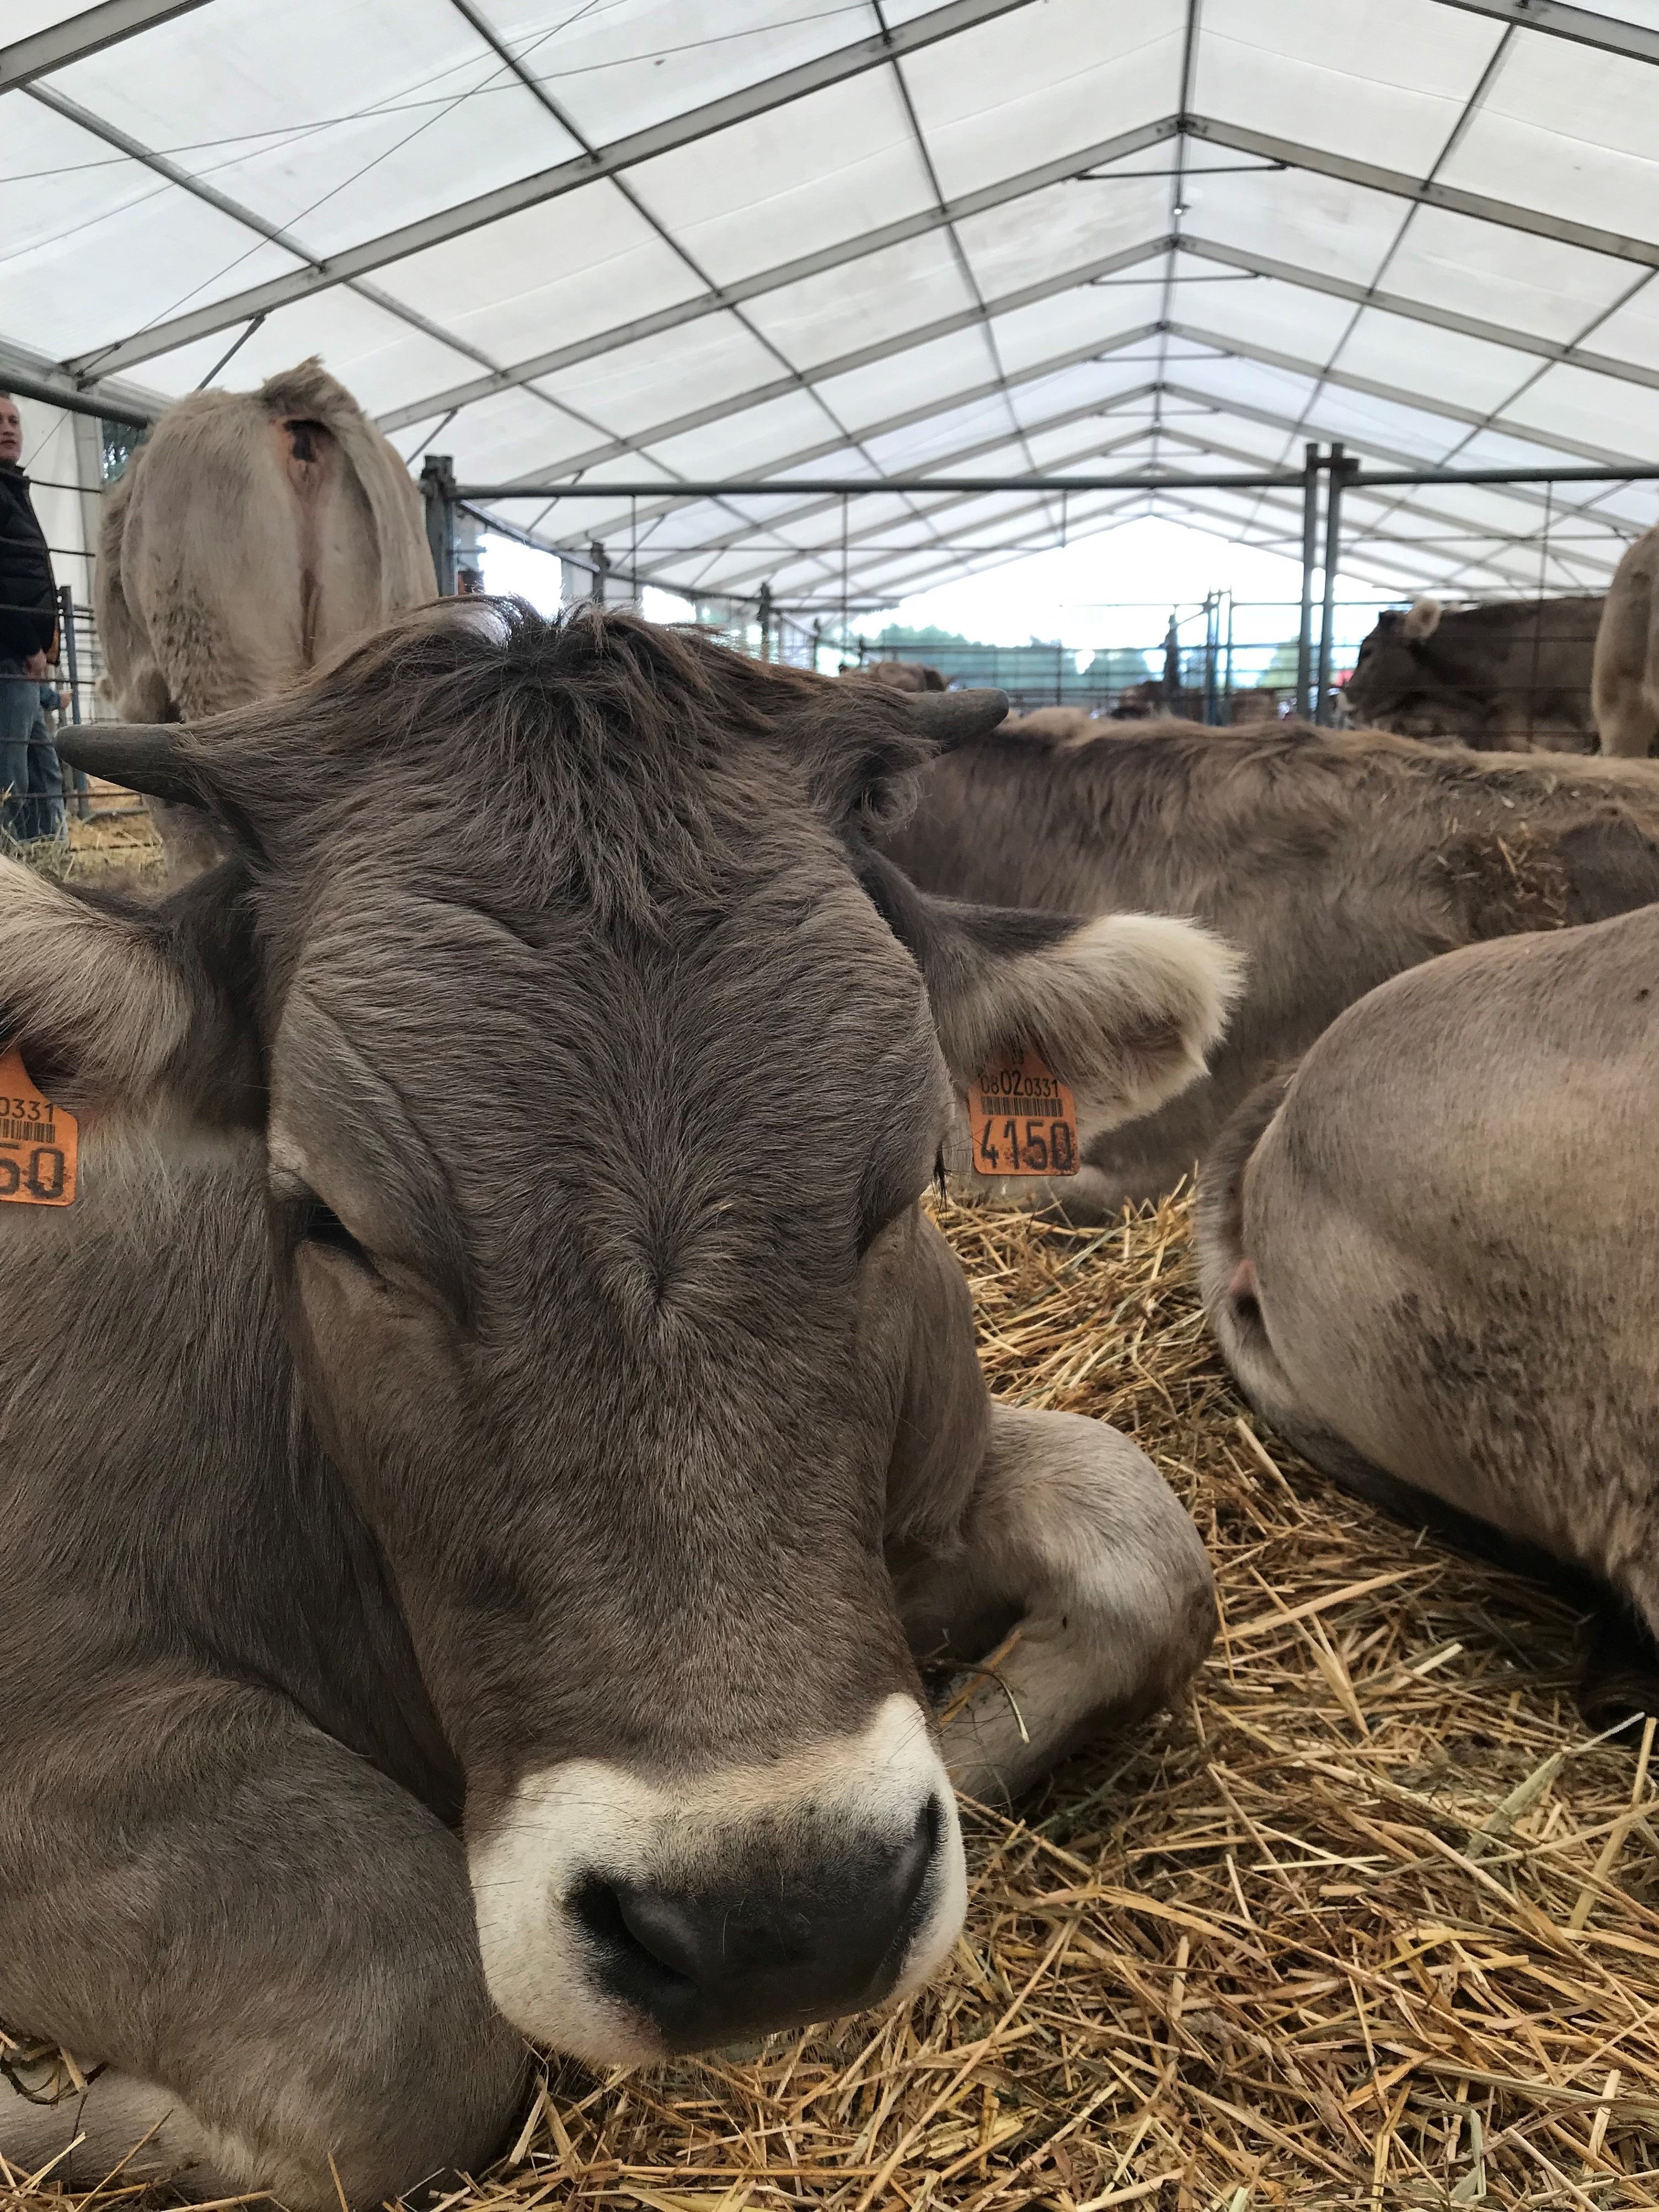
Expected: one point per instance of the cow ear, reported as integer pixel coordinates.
(118, 1005)
(862, 744)
(1123, 1007)
(1422, 618)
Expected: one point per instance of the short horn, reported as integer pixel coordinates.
(138, 756)
(955, 718)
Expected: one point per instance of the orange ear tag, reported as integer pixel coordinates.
(1023, 1117)
(39, 1142)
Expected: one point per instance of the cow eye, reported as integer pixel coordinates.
(321, 1224)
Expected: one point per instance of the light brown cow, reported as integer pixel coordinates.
(1064, 726)
(1626, 676)
(252, 535)
(1503, 677)
(901, 675)
(494, 1433)
(1431, 1256)
(1330, 859)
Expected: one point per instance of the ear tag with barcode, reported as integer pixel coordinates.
(40, 1143)
(1023, 1117)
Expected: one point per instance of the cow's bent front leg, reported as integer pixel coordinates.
(265, 1947)
(1079, 1575)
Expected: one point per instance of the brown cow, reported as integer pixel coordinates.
(1330, 859)
(1064, 726)
(901, 675)
(488, 1434)
(252, 535)
(1431, 1256)
(1503, 678)
(1626, 676)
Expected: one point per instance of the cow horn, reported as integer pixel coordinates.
(955, 718)
(138, 755)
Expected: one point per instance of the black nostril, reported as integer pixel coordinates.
(666, 1929)
(779, 1942)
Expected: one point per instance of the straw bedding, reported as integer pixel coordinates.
(1368, 1921)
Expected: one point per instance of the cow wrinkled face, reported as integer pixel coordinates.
(580, 1197)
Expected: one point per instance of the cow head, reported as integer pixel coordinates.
(599, 1066)
(1404, 681)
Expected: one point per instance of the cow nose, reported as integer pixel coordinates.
(784, 1948)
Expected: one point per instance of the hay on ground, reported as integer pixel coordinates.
(1368, 1921)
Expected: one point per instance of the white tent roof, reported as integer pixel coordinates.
(662, 241)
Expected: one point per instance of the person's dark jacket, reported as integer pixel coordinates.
(26, 578)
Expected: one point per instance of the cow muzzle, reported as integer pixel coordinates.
(621, 1917)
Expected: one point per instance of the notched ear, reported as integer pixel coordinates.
(1421, 619)
(1123, 1008)
(117, 1006)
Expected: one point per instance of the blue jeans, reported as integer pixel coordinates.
(31, 777)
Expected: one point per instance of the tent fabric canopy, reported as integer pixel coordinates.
(669, 240)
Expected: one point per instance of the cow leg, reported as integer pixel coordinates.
(267, 1947)
(1082, 1583)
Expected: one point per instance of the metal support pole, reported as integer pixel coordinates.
(1309, 554)
(1337, 477)
(1228, 695)
(601, 561)
(438, 490)
(1212, 647)
(764, 610)
(71, 655)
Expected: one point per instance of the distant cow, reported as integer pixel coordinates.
(253, 534)
(494, 1426)
(1506, 678)
(1626, 681)
(1331, 858)
(901, 675)
(1431, 1258)
(1064, 726)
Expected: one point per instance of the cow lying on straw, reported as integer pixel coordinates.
(1427, 1256)
(1331, 858)
(489, 1433)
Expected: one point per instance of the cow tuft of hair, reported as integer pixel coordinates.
(1124, 1008)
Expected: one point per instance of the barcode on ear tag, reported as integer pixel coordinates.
(1023, 1117)
(39, 1142)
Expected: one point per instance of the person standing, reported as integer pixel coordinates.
(28, 624)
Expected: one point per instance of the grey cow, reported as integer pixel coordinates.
(482, 1443)
(1431, 1255)
(1331, 860)
(1510, 675)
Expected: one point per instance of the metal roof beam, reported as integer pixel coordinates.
(1357, 497)
(1294, 365)
(665, 137)
(552, 478)
(159, 166)
(1295, 154)
(1270, 419)
(77, 36)
(829, 552)
(783, 274)
(1420, 310)
(977, 564)
(952, 567)
(1585, 25)
(907, 419)
(1093, 408)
